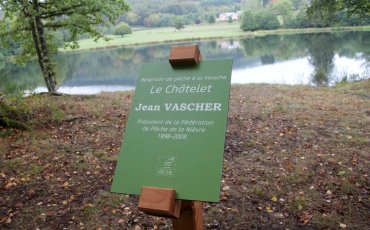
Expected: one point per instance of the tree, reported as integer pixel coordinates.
(267, 21)
(230, 19)
(248, 21)
(31, 22)
(122, 29)
(328, 8)
(265, 2)
(211, 19)
(264, 20)
(299, 4)
(283, 8)
(253, 4)
(132, 18)
(152, 20)
(179, 23)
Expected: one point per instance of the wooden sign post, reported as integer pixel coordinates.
(187, 215)
(172, 151)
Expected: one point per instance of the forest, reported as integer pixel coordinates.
(276, 14)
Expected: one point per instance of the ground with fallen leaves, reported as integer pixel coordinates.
(296, 157)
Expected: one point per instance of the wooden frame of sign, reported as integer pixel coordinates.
(187, 215)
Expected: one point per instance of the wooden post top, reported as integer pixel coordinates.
(184, 55)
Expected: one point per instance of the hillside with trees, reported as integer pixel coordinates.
(157, 13)
(289, 13)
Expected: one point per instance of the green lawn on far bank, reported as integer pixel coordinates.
(192, 32)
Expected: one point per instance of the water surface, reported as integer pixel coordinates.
(320, 59)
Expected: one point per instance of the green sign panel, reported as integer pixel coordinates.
(175, 133)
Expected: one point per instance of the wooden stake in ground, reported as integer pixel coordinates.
(187, 215)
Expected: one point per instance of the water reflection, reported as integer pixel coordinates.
(86, 90)
(293, 72)
(299, 71)
(321, 50)
(316, 59)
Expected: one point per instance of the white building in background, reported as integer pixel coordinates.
(224, 17)
(230, 45)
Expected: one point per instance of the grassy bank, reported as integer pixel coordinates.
(193, 33)
(296, 157)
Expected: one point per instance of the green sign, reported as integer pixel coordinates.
(175, 133)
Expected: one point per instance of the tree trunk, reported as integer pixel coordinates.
(49, 72)
(43, 54)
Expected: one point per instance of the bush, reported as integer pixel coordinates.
(11, 116)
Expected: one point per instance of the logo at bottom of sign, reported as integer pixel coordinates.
(166, 166)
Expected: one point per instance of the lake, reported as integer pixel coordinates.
(319, 59)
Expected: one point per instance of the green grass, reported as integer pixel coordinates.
(13, 164)
(190, 33)
(165, 34)
(360, 88)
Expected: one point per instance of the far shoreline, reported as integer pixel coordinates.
(194, 33)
